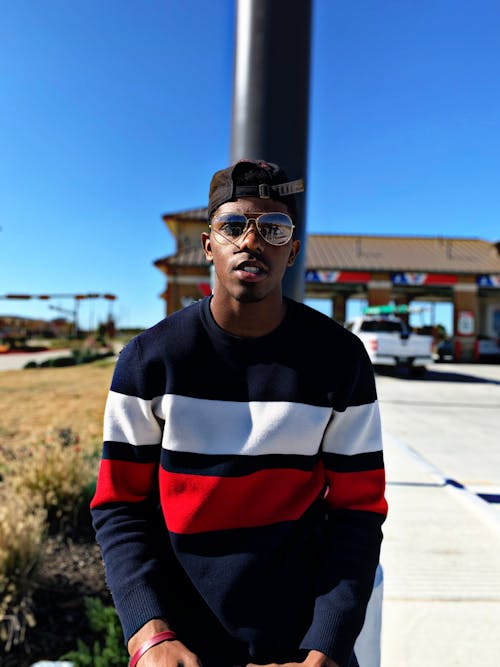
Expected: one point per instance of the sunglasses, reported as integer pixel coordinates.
(274, 228)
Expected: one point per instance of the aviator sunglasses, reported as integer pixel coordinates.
(274, 228)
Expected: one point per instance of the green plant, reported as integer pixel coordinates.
(108, 650)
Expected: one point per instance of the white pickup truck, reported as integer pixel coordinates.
(389, 342)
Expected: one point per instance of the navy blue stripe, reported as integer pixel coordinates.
(122, 451)
(354, 463)
(454, 483)
(230, 465)
(490, 497)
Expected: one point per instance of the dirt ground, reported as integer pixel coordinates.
(71, 570)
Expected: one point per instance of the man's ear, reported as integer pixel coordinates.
(294, 251)
(207, 246)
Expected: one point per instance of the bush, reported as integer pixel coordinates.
(58, 362)
(31, 364)
(45, 488)
(109, 650)
(22, 532)
(79, 356)
(55, 475)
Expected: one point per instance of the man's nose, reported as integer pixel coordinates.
(251, 237)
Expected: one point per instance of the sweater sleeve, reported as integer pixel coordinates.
(356, 509)
(125, 509)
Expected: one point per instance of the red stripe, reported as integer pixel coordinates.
(440, 279)
(354, 277)
(123, 481)
(357, 490)
(199, 503)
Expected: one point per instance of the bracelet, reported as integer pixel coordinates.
(164, 636)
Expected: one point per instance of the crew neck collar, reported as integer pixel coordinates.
(213, 327)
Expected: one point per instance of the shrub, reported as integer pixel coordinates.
(22, 532)
(31, 364)
(55, 474)
(107, 651)
(78, 356)
(57, 362)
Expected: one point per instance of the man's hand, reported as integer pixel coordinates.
(313, 659)
(170, 653)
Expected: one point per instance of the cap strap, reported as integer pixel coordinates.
(266, 191)
(291, 188)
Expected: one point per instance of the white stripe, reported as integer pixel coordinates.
(355, 431)
(204, 426)
(130, 419)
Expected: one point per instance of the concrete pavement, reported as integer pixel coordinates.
(441, 553)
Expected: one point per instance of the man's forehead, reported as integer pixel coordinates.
(252, 205)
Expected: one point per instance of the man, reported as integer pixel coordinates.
(241, 493)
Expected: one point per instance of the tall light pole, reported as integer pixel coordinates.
(271, 97)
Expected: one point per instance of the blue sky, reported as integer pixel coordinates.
(112, 113)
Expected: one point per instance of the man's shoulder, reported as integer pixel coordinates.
(173, 324)
(312, 321)
(171, 333)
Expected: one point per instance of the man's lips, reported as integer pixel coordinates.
(251, 270)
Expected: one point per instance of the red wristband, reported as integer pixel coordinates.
(164, 636)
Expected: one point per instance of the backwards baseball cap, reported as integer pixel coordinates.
(253, 178)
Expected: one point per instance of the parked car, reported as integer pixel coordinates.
(445, 350)
(488, 349)
(389, 342)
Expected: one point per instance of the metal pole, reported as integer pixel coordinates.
(271, 97)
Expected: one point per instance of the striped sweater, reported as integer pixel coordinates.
(241, 489)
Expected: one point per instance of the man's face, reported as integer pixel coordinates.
(252, 269)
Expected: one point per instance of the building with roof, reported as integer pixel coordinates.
(381, 269)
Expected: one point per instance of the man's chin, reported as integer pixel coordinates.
(249, 298)
(250, 293)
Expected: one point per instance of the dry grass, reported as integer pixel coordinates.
(22, 530)
(50, 438)
(35, 403)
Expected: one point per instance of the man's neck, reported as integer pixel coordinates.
(248, 320)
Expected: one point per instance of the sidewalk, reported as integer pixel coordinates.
(441, 561)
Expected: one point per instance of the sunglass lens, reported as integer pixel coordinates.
(229, 225)
(275, 228)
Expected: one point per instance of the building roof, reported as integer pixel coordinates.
(399, 253)
(188, 257)
(381, 253)
(198, 214)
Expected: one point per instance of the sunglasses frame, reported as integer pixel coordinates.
(253, 217)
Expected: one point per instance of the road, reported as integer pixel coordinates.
(10, 362)
(442, 538)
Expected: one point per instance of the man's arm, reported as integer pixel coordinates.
(129, 525)
(356, 509)
(166, 654)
